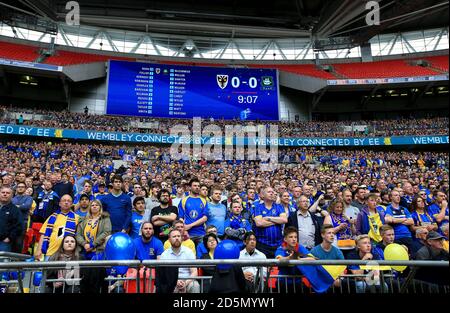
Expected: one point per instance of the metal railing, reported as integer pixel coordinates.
(143, 279)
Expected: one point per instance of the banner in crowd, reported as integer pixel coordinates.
(169, 139)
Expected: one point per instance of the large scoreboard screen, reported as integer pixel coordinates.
(173, 91)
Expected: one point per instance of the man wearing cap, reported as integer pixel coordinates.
(433, 249)
(102, 191)
(81, 209)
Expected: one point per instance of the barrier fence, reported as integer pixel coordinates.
(141, 276)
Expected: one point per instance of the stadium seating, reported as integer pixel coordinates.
(439, 62)
(382, 69)
(300, 69)
(18, 52)
(70, 58)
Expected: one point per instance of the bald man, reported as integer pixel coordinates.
(60, 224)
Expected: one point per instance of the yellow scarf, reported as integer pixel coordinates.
(375, 224)
(90, 231)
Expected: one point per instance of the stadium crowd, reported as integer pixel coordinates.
(63, 200)
(382, 128)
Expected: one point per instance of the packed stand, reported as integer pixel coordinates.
(341, 129)
(62, 201)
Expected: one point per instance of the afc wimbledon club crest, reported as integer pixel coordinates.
(193, 214)
(222, 81)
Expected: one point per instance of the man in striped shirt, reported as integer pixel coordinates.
(269, 218)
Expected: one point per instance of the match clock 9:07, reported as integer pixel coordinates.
(247, 99)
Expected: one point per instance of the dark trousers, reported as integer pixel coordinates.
(408, 242)
(197, 240)
(269, 251)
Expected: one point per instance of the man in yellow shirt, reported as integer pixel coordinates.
(61, 223)
(188, 243)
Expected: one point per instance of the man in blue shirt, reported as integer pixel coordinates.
(326, 250)
(102, 191)
(269, 218)
(148, 247)
(216, 212)
(118, 205)
(236, 226)
(47, 203)
(23, 201)
(290, 249)
(82, 208)
(408, 196)
(439, 209)
(137, 216)
(400, 219)
(192, 210)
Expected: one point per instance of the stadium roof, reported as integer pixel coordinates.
(249, 18)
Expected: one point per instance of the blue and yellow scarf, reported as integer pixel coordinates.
(69, 229)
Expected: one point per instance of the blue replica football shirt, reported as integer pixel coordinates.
(400, 230)
(148, 250)
(191, 209)
(136, 223)
(434, 210)
(290, 270)
(272, 235)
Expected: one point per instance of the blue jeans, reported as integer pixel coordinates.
(363, 287)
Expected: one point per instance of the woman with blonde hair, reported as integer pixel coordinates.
(93, 231)
(342, 227)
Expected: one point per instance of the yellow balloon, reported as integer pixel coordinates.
(395, 252)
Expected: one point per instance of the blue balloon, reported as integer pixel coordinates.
(120, 247)
(4, 276)
(37, 279)
(226, 249)
(15, 275)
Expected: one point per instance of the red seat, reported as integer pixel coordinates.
(300, 69)
(62, 58)
(18, 52)
(382, 69)
(440, 62)
(130, 285)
